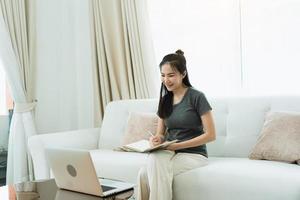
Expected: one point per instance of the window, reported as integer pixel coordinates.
(232, 47)
(5, 116)
(3, 109)
(6, 102)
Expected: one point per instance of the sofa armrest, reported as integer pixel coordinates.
(79, 139)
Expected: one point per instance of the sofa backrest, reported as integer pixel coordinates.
(238, 121)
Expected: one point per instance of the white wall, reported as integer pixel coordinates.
(64, 84)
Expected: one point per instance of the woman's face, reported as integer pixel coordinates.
(171, 77)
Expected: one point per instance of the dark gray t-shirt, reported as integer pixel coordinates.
(185, 121)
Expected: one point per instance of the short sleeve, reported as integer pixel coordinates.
(201, 104)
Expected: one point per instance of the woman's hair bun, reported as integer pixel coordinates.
(180, 52)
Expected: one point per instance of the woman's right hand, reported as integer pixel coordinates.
(155, 140)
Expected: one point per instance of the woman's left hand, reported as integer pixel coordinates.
(173, 147)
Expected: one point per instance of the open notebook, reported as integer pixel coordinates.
(144, 146)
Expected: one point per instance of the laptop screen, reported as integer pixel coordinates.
(106, 188)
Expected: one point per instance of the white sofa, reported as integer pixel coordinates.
(230, 175)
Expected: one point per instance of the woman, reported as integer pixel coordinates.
(184, 114)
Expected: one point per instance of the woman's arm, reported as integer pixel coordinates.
(160, 133)
(161, 128)
(208, 135)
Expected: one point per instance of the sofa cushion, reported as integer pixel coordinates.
(239, 178)
(138, 125)
(238, 121)
(115, 120)
(232, 178)
(117, 164)
(280, 138)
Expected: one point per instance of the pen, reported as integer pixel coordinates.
(150, 133)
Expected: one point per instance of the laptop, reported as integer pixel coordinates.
(74, 170)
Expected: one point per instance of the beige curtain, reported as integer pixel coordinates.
(19, 18)
(123, 55)
(17, 51)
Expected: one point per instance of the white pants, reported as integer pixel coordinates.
(155, 180)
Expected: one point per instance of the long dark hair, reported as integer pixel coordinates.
(177, 61)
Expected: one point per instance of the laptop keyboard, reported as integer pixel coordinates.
(106, 188)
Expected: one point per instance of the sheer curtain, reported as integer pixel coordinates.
(209, 34)
(123, 55)
(15, 52)
(271, 46)
(233, 47)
